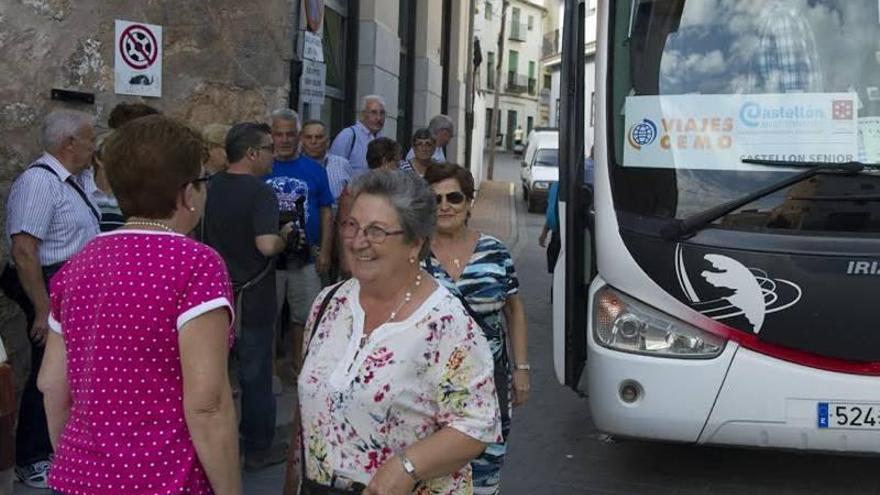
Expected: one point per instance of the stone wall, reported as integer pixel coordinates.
(223, 61)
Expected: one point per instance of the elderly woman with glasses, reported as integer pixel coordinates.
(396, 391)
(423, 146)
(479, 268)
(134, 377)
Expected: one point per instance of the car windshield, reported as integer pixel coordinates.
(547, 158)
(700, 85)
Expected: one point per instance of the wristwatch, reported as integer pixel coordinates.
(523, 366)
(409, 467)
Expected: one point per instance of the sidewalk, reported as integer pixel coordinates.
(494, 211)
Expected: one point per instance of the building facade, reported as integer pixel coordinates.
(224, 61)
(551, 66)
(520, 60)
(410, 52)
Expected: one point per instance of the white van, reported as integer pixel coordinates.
(540, 166)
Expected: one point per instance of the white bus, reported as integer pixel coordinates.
(724, 286)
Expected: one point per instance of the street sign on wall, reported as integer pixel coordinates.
(138, 59)
(312, 84)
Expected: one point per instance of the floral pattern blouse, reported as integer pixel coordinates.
(362, 405)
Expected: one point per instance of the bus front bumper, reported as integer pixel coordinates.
(740, 398)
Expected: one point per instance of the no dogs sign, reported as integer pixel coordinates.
(138, 60)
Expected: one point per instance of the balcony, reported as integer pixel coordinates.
(550, 46)
(517, 83)
(518, 31)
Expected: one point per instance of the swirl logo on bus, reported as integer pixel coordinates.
(642, 134)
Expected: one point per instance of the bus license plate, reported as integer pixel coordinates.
(858, 416)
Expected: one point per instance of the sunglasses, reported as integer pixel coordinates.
(453, 198)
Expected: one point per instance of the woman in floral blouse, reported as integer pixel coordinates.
(396, 392)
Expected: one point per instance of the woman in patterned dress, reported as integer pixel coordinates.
(396, 391)
(479, 268)
(137, 396)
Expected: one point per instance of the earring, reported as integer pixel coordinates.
(192, 208)
(412, 261)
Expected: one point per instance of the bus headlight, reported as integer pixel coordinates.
(624, 324)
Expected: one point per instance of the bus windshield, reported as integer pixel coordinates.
(699, 85)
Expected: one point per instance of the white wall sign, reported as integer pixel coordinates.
(313, 47)
(138, 59)
(311, 88)
(718, 131)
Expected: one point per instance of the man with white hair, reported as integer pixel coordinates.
(49, 218)
(443, 130)
(305, 198)
(351, 143)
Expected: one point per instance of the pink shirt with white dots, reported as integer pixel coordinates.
(119, 305)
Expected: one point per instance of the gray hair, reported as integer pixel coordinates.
(60, 125)
(412, 199)
(286, 114)
(441, 123)
(369, 98)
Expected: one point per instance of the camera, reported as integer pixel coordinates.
(297, 250)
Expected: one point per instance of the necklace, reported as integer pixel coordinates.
(407, 297)
(146, 223)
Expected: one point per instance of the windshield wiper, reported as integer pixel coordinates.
(680, 229)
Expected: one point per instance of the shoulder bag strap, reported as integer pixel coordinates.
(270, 265)
(70, 180)
(320, 315)
(353, 142)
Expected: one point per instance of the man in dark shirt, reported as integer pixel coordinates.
(242, 223)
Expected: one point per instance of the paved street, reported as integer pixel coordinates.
(555, 449)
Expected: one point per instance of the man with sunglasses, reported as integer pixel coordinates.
(241, 222)
(50, 217)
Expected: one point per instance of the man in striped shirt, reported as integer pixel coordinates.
(314, 141)
(49, 218)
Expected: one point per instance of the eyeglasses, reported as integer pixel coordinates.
(205, 177)
(350, 228)
(453, 198)
(376, 113)
(425, 143)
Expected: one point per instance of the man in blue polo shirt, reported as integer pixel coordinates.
(304, 197)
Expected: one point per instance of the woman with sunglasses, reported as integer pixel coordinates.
(423, 145)
(479, 267)
(396, 389)
(134, 377)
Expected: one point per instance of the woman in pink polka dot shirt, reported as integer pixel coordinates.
(137, 396)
